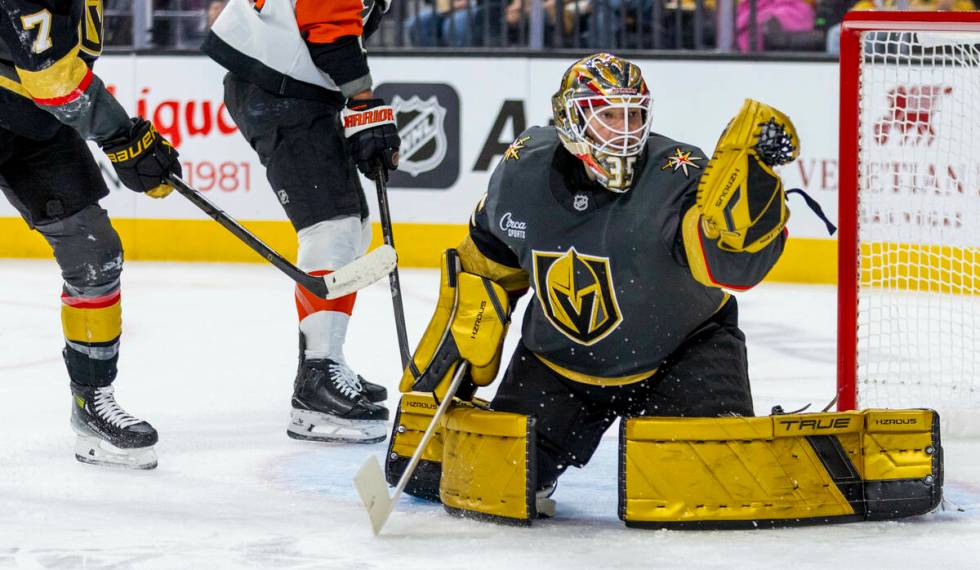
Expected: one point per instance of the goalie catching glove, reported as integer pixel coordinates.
(470, 322)
(741, 199)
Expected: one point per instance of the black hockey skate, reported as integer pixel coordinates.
(107, 434)
(329, 405)
(375, 393)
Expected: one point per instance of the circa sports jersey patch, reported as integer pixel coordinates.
(512, 226)
(681, 160)
(576, 294)
(513, 151)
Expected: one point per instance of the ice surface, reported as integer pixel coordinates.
(208, 355)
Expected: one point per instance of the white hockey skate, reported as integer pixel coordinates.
(107, 434)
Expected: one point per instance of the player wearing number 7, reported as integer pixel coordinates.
(50, 103)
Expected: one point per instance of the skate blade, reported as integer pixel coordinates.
(315, 426)
(96, 451)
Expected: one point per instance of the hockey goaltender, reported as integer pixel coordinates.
(631, 242)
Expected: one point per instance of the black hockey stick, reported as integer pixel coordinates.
(355, 275)
(381, 181)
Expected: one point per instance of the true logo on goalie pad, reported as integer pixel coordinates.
(576, 294)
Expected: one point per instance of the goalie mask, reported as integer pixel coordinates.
(602, 112)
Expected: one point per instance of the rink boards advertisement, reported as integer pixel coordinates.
(456, 117)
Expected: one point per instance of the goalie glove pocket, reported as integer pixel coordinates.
(741, 199)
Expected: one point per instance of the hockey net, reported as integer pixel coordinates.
(909, 275)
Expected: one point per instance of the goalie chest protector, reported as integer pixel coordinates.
(613, 295)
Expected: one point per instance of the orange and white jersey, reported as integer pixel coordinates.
(270, 40)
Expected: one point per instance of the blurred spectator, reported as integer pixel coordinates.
(897, 45)
(446, 23)
(826, 25)
(917, 5)
(118, 23)
(214, 10)
(789, 16)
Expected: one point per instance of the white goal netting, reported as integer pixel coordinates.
(918, 341)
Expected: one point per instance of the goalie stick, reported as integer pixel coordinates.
(370, 480)
(356, 275)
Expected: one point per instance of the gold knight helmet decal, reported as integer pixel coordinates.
(576, 294)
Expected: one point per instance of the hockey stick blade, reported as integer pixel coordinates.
(361, 272)
(358, 274)
(373, 490)
(370, 481)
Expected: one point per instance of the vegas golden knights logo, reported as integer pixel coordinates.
(576, 294)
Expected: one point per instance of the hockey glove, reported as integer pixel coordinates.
(143, 159)
(369, 126)
(741, 199)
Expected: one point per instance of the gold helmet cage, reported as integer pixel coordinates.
(602, 112)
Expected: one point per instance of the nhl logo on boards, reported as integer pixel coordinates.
(423, 136)
(576, 293)
(427, 116)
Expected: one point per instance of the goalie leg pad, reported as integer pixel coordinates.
(489, 460)
(415, 411)
(470, 322)
(780, 470)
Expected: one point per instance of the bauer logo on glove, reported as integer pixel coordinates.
(143, 159)
(741, 199)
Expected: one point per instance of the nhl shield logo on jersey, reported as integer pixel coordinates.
(577, 294)
(420, 126)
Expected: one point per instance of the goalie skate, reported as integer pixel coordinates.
(107, 434)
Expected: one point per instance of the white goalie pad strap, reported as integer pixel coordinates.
(357, 121)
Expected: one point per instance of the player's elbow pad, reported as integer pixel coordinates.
(741, 199)
(470, 322)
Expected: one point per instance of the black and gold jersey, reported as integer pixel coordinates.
(47, 48)
(618, 283)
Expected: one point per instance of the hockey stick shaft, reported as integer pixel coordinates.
(360, 273)
(381, 181)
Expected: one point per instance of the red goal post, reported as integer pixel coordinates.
(909, 189)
